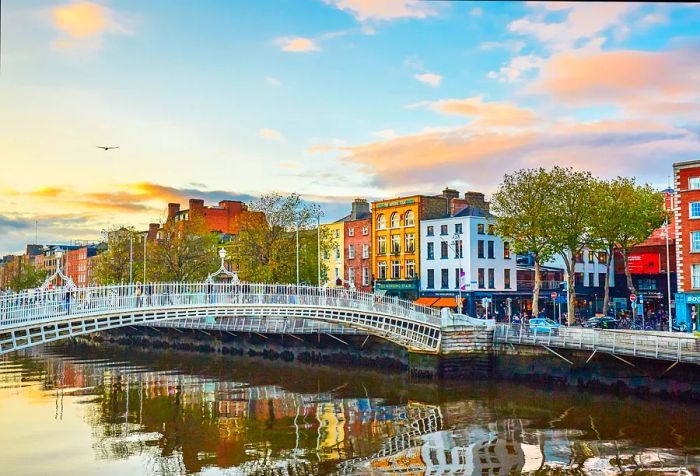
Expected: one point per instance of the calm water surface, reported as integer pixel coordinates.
(117, 412)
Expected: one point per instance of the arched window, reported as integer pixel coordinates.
(381, 222)
(394, 220)
(408, 219)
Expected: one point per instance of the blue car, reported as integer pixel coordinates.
(542, 325)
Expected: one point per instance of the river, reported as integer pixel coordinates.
(113, 411)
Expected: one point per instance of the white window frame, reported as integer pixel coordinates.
(381, 222)
(695, 240)
(690, 210)
(693, 183)
(395, 220)
(351, 251)
(381, 266)
(410, 269)
(695, 276)
(395, 266)
(351, 231)
(351, 275)
(409, 218)
(365, 230)
(365, 251)
(365, 276)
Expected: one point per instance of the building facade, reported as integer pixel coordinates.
(461, 254)
(358, 247)
(228, 217)
(79, 265)
(333, 260)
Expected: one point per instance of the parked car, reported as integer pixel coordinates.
(603, 322)
(541, 325)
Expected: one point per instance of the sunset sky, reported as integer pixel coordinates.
(333, 99)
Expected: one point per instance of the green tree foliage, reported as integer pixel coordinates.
(113, 264)
(24, 275)
(185, 251)
(523, 208)
(266, 249)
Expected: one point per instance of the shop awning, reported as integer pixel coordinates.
(426, 301)
(446, 302)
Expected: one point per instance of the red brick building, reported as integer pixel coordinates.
(79, 265)
(687, 226)
(226, 217)
(358, 246)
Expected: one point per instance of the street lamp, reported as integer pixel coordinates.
(222, 255)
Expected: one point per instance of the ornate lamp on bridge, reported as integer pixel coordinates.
(233, 276)
(66, 280)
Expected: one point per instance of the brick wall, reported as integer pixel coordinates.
(357, 240)
(684, 225)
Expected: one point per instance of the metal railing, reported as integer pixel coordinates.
(262, 325)
(679, 347)
(32, 306)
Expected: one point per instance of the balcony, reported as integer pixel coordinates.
(528, 285)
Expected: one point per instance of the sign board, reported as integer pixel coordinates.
(485, 301)
(641, 299)
(645, 263)
(554, 295)
(633, 297)
(396, 285)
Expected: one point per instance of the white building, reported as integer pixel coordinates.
(465, 241)
(590, 269)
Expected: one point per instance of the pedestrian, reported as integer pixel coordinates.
(137, 293)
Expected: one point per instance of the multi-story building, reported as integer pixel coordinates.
(79, 265)
(333, 259)
(358, 246)
(228, 217)
(686, 212)
(461, 254)
(396, 237)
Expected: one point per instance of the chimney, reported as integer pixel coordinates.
(359, 207)
(476, 200)
(173, 208)
(152, 231)
(450, 193)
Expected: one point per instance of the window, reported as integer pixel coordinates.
(430, 231)
(336, 233)
(443, 230)
(431, 279)
(351, 251)
(410, 269)
(506, 250)
(506, 278)
(480, 228)
(492, 278)
(365, 276)
(337, 252)
(365, 251)
(457, 283)
(337, 273)
(351, 231)
(602, 257)
(491, 252)
(480, 249)
(351, 275)
(590, 256)
(326, 256)
(381, 245)
(590, 280)
(459, 249)
(395, 244)
(381, 222)
(443, 250)
(491, 229)
(579, 257)
(444, 278)
(408, 219)
(646, 285)
(381, 270)
(695, 276)
(410, 242)
(480, 278)
(394, 220)
(695, 241)
(431, 250)
(458, 228)
(693, 183)
(601, 279)
(694, 209)
(395, 269)
(365, 230)
(578, 279)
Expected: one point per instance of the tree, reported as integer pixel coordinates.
(523, 209)
(574, 208)
(185, 251)
(113, 264)
(25, 275)
(266, 247)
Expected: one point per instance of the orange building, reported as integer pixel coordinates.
(228, 217)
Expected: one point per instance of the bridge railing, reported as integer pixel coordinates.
(41, 305)
(678, 346)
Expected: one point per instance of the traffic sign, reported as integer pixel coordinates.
(554, 295)
(633, 297)
(641, 299)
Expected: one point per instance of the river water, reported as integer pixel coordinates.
(111, 411)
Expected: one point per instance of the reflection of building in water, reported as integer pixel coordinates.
(331, 430)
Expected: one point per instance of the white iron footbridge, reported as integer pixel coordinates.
(40, 316)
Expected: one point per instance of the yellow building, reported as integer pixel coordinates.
(333, 260)
(396, 240)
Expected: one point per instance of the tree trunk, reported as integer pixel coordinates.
(606, 299)
(630, 284)
(536, 289)
(571, 291)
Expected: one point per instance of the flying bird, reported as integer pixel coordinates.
(106, 148)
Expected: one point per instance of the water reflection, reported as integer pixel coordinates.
(112, 412)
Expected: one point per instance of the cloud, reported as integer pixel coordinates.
(476, 12)
(385, 134)
(512, 45)
(84, 23)
(430, 79)
(384, 10)
(487, 114)
(298, 44)
(582, 21)
(270, 81)
(516, 68)
(270, 134)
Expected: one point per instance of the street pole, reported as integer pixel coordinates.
(459, 278)
(318, 250)
(297, 252)
(145, 238)
(668, 265)
(131, 257)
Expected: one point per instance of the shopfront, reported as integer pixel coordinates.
(404, 289)
(687, 306)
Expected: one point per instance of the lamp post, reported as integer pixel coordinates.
(318, 243)
(145, 239)
(59, 256)
(458, 252)
(668, 260)
(131, 257)
(297, 252)
(222, 255)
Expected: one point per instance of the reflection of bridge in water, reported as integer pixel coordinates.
(42, 316)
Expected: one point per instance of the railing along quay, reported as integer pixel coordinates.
(678, 347)
(262, 325)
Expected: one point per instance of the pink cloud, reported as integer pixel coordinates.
(298, 44)
(485, 113)
(384, 10)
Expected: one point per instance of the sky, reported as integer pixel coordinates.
(331, 99)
